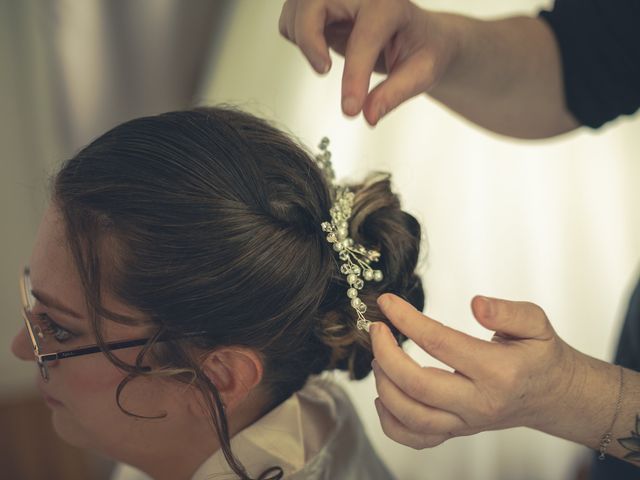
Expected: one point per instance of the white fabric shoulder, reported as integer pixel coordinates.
(123, 471)
(346, 453)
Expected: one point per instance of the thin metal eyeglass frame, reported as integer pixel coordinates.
(42, 359)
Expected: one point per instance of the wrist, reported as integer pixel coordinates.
(455, 35)
(583, 400)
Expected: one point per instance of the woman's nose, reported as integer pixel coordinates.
(21, 346)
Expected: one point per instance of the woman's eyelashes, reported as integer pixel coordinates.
(50, 327)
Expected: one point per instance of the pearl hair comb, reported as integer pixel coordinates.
(356, 259)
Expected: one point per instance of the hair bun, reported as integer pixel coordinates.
(377, 222)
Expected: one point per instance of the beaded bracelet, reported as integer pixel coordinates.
(605, 440)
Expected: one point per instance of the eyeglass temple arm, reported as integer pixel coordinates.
(50, 357)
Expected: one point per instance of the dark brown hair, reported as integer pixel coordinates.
(209, 220)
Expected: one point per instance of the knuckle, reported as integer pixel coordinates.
(492, 411)
(389, 97)
(419, 388)
(427, 442)
(533, 311)
(424, 424)
(534, 308)
(383, 391)
(435, 442)
(509, 375)
(387, 428)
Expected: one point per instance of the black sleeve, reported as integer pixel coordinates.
(599, 42)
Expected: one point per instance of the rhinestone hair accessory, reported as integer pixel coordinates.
(355, 259)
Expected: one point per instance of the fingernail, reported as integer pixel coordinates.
(349, 106)
(381, 112)
(374, 364)
(383, 301)
(321, 66)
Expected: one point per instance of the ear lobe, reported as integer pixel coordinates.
(235, 371)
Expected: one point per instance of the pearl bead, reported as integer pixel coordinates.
(355, 258)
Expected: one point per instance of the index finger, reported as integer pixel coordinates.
(309, 22)
(466, 354)
(372, 30)
(427, 385)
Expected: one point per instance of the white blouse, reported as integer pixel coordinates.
(314, 434)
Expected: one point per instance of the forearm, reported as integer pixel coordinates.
(586, 407)
(505, 75)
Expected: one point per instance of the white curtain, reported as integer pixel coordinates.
(551, 222)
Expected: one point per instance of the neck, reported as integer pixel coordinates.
(193, 444)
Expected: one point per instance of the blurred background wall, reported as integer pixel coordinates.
(70, 70)
(552, 222)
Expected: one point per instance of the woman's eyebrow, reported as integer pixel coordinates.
(50, 302)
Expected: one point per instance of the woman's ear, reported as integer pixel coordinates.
(235, 371)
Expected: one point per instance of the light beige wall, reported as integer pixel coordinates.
(30, 143)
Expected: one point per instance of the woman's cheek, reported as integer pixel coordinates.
(95, 375)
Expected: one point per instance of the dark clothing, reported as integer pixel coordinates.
(628, 355)
(600, 49)
(599, 43)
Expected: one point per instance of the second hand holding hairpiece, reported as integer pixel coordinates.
(355, 257)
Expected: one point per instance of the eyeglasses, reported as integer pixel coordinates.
(44, 344)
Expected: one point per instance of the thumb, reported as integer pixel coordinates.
(512, 319)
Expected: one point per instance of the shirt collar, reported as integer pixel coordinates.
(276, 439)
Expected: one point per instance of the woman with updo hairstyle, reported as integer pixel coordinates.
(183, 302)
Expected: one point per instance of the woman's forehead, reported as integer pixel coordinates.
(54, 272)
(52, 267)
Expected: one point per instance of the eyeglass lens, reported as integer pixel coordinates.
(40, 325)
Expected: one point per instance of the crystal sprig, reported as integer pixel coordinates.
(356, 259)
